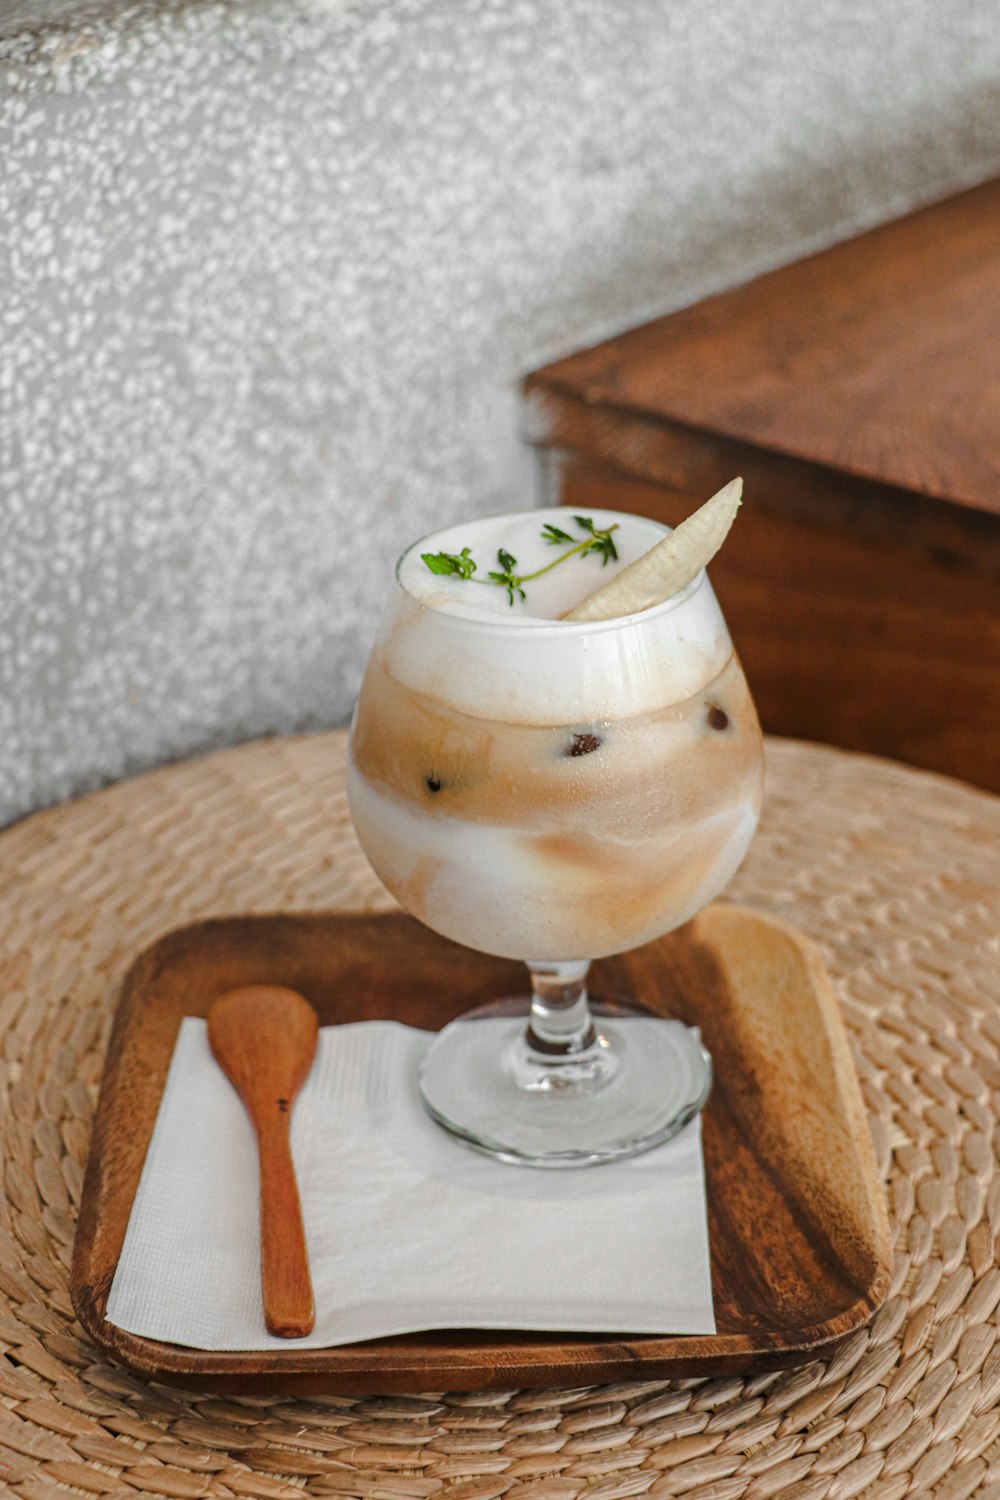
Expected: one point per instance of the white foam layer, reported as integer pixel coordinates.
(493, 661)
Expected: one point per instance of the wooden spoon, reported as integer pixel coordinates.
(264, 1040)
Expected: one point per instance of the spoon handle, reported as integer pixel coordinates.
(289, 1310)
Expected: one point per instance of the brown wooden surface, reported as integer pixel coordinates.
(799, 1237)
(879, 358)
(858, 393)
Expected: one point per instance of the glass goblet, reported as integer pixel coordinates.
(557, 792)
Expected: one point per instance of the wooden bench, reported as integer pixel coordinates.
(858, 393)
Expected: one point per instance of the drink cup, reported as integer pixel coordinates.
(554, 792)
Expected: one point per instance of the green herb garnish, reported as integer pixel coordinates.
(602, 542)
(461, 564)
(554, 535)
(508, 579)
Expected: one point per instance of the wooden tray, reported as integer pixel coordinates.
(799, 1234)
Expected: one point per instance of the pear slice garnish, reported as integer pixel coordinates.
(668, 567)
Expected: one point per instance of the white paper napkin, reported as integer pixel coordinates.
(407, 1228)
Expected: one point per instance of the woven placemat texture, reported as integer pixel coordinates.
(895, 874)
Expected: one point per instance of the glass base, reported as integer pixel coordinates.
(637, 1082)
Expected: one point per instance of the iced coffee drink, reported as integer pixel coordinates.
(549, 790)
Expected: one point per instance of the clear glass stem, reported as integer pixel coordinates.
(560, 1024)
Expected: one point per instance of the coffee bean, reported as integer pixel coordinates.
(583, 744)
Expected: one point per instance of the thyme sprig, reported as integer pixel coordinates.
(462, 565)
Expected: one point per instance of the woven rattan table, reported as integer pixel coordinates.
(895, 874)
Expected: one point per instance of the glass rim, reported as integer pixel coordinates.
(497, 624)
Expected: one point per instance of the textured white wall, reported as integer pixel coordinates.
(270, 270)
